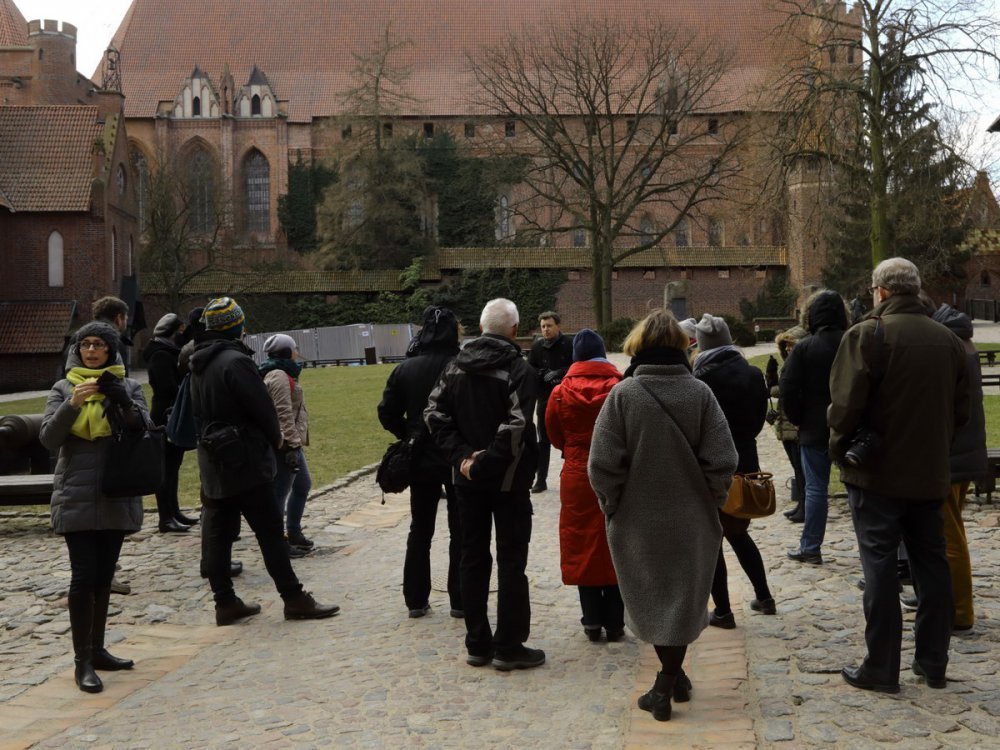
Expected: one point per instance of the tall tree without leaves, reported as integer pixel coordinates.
(940, 47)
(605, 109)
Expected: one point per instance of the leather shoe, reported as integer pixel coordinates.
(230, 612)
(173, 526)
(420, 611)
(479, 660)
(235, 568)
(539, 486)
(764, 606)
(932, 682)
(107, 662)
(186, 520)
(813, 558)
(117, 587)
(857, 677)
(458, 614)
(302, 606)
(726, 621)
(799, 516)
(521, 657)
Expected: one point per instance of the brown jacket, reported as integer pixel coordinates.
(922, 397)
(290, 404)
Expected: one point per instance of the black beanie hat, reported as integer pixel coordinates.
(588, 344)
(103, 331)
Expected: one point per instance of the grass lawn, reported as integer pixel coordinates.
(344, 430)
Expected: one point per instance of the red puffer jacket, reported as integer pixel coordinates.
(569, 420)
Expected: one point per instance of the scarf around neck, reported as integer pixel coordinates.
(287, 366)
(657, 355)
(91, 423)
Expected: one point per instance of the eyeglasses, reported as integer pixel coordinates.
(93, 345)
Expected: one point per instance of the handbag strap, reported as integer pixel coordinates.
(667, 412)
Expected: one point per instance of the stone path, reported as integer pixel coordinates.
(372, 678)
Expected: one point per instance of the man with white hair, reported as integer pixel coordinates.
(899, 391)
(480, 415)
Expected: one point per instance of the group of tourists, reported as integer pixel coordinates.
(649, 460)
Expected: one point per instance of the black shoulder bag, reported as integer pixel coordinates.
(134, 463)
(393, 473)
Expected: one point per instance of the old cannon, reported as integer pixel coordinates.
(25, 464)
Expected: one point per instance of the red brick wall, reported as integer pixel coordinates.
(23, 372)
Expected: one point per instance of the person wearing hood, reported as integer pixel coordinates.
(160, 356)
(78, 424)
(292, 481)
(784, 430)
(804, 390)
(401, 412)
(238, 433)
(585, 559)
(969, 463)
(550, 355)
(480, 416)
(739, 388)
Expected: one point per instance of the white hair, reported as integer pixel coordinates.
(499, 316)
(898, 275)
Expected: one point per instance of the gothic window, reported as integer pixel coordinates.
(579, 234)
(984, 277)
(56, 259)
(345, 133)
(850, 55)
(120, 180)
(716, 231)
(257, 186)
(682, 233)
(387, 130)
(114, 253)
(645, 230)
(202, 187)
(428, 130)
(196, 107)
(713, 125)
(140, 170)
(509, 129)
(833, 55)
(504, 226)
(131, 256)
(255, 105)
(470, 130)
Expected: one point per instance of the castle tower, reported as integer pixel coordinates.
(55, 79)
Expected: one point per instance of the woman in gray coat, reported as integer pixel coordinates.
(661, 462)
(94, 526)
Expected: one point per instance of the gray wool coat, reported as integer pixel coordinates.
(77, 503)
(661, 499)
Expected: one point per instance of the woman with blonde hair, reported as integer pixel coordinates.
(661, 463)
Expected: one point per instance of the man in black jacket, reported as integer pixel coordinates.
(805, 396)
(551, 356)
(401, 412)
(479, 414)
(238, 432)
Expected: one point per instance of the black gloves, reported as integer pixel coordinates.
(552, 377)
(291, 459)
(115, 392)
(771, 372)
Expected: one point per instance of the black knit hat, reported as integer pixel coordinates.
(103, 331)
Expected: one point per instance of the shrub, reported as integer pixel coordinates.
(615, 332)
(742, 333)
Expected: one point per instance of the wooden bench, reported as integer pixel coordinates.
(989, 357)
(25, 489)
(391, 359)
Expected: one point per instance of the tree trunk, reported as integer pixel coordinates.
(597, 283)
(876, 141)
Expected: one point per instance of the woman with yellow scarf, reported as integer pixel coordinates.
(93, 525)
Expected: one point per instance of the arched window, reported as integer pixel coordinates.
(202, 188)
(505, 227)
(257, 188)
(645, 230)
(682, 233)
(140, 171)
(716, 230)
(114, 253)
(131, 256)
(255, 105)
(984, 277)
(196, 107)
(56, 264)
(579, 234)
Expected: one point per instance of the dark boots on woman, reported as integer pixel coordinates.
(100, 657)
(796, 514)
(657, 700)
(81, 622)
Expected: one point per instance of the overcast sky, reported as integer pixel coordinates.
(97, 21)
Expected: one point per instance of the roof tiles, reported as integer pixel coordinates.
(13, 27)
(46, 159)
(34, 327)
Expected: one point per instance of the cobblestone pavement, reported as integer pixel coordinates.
(372, 678)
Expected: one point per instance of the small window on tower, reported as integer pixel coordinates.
(713, 125)
(509, 129)
(470, 130)
(428, 130)
(387, 130)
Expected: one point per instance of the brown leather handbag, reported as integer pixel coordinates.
(751, 495)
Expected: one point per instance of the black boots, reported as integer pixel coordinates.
(796, 514)
(234, 611)
(100, 657)
(302, 606)
(657, 700)
(81, 622)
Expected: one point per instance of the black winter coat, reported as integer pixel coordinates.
(805, 379)
(740, 390)
(485, 401)
(969, 462)
(404, 399)
(161, 363)
(553, 356)
(227, 389)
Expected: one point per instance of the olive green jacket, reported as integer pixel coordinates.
(916, 405)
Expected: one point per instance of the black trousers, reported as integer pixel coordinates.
(736, 532)
(880, 523)
(92, 559)
(511, 512)
(544, 446)
(424, 497)
(602, 607)
(166, 499)
(219, 523)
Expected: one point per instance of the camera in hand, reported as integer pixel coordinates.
(864, 447)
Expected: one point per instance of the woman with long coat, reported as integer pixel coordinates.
(94, 526)
(661, 463)
(583, 542)
(739, 388)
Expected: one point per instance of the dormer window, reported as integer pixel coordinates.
(196, 107)
(255, 105)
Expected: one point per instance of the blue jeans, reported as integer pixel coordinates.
(816, 467)
(299, 484)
